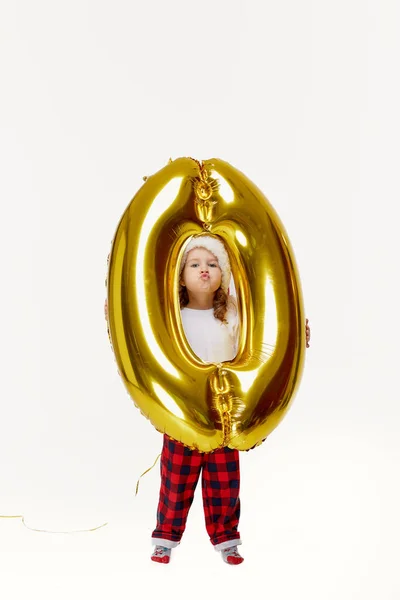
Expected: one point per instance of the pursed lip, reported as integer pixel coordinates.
(204, 276)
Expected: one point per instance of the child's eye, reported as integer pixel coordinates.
(194, 265)
(212, 264)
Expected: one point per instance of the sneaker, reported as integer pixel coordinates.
(231, 556)
(161, 554)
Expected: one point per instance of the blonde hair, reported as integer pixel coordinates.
(217, 249)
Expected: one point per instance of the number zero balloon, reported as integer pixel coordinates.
(205, 406)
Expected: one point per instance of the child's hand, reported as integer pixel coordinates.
(308, 334)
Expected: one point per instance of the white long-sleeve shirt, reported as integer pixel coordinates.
(211, 340)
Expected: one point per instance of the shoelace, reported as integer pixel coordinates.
(160, 550)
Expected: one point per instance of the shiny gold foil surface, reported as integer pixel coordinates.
(205, 406)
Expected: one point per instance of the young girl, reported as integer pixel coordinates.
(210, 322)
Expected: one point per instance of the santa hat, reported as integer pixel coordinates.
(216, 247)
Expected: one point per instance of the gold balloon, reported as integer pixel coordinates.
(205, 406)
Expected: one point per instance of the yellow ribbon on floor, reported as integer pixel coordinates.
(76, 530)
(48, 531)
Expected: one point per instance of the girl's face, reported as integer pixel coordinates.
(201, 273)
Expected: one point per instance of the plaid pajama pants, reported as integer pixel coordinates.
(180, 472)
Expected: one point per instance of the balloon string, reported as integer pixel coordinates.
(75, 530)
(49, 531)
(147, 470)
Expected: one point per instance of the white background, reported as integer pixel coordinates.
(303, 98)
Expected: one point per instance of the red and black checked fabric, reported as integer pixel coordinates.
(180, 471)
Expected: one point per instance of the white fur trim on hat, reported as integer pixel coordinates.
(216, 247)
